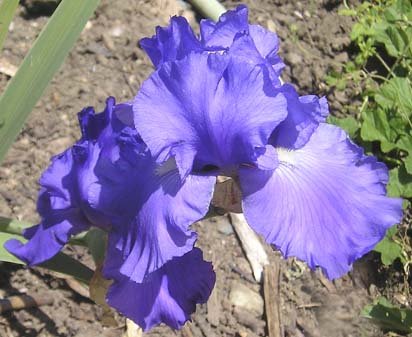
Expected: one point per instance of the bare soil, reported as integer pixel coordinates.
(107, 61)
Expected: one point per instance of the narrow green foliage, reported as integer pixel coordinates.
(13, 226)
(67, 265)
(4, 254)
(62, 263)
(96, 240)
(7, 10)
(388, 316)
(39, 66)
(10, 229)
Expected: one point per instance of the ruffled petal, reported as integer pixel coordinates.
(222, 33)
(171, 43)
(267, 43)
(235, 23)
(163, 222)
(61, 218)
(214, 108)
(64, 199)
(324, 204)
(150, 207)
(305, 113)
(169, 295)
(47, 238)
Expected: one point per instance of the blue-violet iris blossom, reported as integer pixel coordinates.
(214, 107)
(109, 180)
(144, 171)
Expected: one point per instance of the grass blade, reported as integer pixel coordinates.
(39, 66)
(67, 265)
(7, 9)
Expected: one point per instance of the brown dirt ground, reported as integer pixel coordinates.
(107, 61)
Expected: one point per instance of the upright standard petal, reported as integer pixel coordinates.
(305, 113)
(324, 204)
(171, 43)
(208, 110)
(168, 295)
(178, 40)
(234, 23)
(222, 33)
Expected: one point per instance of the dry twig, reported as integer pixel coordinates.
(132, 329)
(24, 301)
(255, 253)
(271, 277)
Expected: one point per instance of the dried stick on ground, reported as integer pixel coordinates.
(271, 277)
(255, 253)
(132, 329)
(24, 301)
(186, 331)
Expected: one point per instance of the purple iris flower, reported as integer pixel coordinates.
(145, 171)
(213, 107)
(109, 180)
(178, 40)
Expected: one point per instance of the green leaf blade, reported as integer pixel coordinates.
(7, 10)
(39, 66)
(4, 254)
(61, 263)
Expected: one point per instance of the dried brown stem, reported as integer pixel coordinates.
(271, 277)
(24, 301)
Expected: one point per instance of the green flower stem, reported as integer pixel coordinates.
(382, 61)
(211, 9)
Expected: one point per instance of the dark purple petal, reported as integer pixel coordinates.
(324, 204)
(61, 216)
(46, 239)
(150, 207)
(214, 108)
(169, 295)
(304, 115)
(66, 187)
(172, 42)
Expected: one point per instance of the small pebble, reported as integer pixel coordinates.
(108, 42)
(116, 31)
(243, 297)
(298, 15)
(294, 58)
(224, 227)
